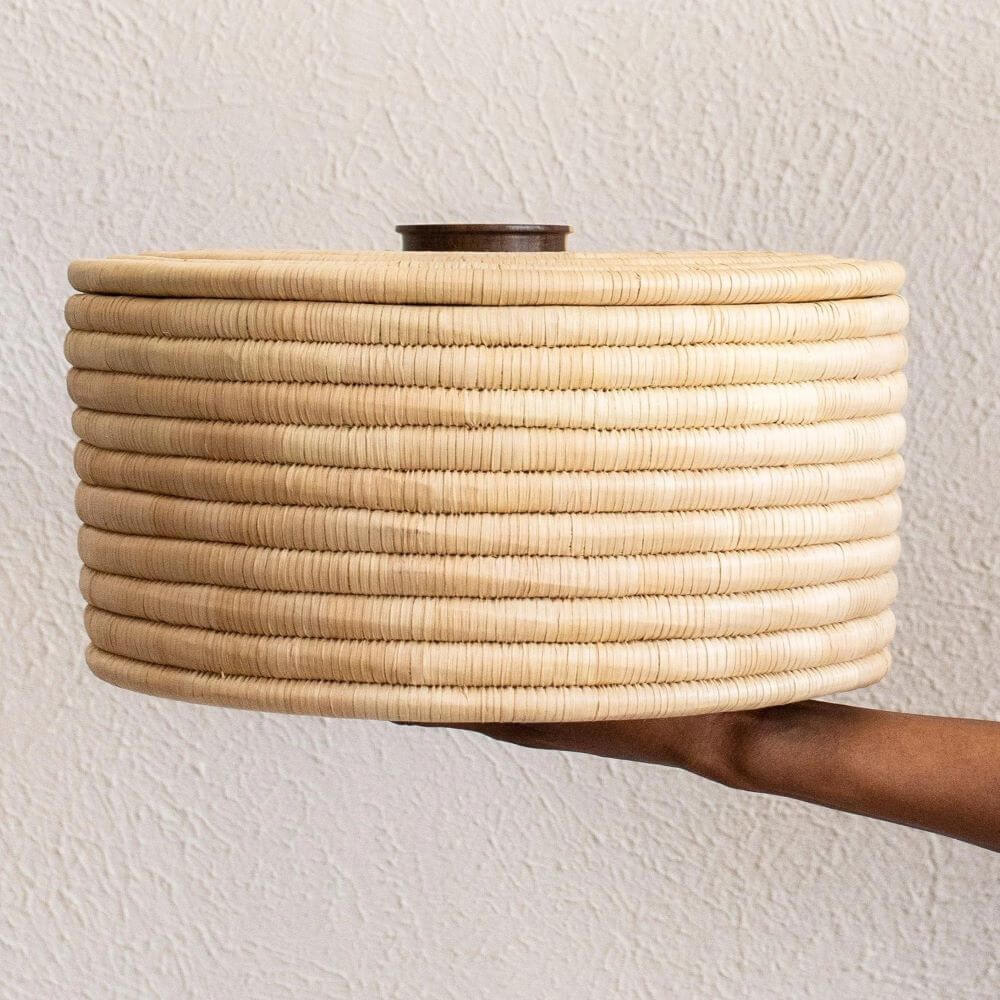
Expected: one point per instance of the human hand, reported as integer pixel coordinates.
(709, 745)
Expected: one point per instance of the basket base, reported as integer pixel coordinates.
(412, 703)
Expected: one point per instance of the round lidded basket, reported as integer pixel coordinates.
(466, 484)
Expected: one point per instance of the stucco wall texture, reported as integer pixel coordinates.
(157, 849)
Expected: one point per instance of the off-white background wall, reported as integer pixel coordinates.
(156, 849)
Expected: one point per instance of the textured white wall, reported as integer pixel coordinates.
(155, 849)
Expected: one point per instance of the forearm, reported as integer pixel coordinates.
(933, 773)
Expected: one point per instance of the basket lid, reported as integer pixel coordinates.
(490, 265)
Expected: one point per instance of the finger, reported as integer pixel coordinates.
(535, 735)
(601, 738)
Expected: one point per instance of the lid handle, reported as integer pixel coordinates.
(485, 237)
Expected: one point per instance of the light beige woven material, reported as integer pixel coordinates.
(489, 664)
(501, 449)
(448, 492)
(493, 279)
(462, 619)
(336, 529)
(488, 367)
(374, 573)
(513, 326)
(443, 703)
(391, 406)
(473, 487)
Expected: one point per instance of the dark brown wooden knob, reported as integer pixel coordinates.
(485, 237)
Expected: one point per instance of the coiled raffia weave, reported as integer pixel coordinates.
(488, 487)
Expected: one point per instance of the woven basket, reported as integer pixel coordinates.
(468, 486)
